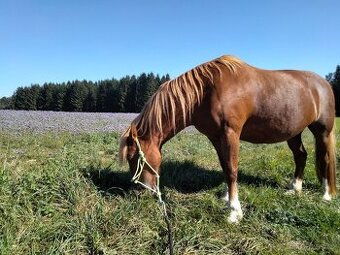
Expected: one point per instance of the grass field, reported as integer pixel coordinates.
(63, 193)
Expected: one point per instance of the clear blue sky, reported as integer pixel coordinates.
(56, 41)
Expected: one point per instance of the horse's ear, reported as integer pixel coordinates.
(133, 131)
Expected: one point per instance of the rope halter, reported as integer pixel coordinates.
(140, 165)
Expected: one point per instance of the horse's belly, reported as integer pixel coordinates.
(263, 137)
(272, 130)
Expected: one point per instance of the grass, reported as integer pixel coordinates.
(66, 194)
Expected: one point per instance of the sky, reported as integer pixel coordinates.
(57, 41)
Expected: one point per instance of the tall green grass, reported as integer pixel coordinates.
(66, 194)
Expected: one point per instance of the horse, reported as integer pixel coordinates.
(228, 100)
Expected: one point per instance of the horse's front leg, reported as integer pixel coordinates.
(230, 150)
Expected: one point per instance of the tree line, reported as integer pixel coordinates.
(334, 80)
(129, 94)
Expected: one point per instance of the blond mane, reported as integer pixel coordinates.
(180, 95)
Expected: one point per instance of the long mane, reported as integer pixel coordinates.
(179, 96)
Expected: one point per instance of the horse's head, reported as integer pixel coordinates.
(135, 149)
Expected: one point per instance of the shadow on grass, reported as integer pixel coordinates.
(108, 181)
(256, 181)
(185, 177)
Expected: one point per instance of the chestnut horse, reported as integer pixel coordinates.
(228, 100)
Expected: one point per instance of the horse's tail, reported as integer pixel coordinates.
(331, 171)
(329, 144)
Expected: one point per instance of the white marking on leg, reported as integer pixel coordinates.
(326, 196)
(295, 186)
(225, 196)
(236, 213)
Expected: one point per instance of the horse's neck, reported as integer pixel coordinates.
(170, 132)
(161, 137)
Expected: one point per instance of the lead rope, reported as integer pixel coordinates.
(140, 165)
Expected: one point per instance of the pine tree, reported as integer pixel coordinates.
(336, 88)
(25, 98)
(32, 97)
(45, 97)
(150, 88)
(18, 98)
(112, 96)
(91, 98)
(165, 78)
(122, 91)
(59, 96)
(131, 95)
(141, 91)
(6, 103)
(107, 95)
(334, 80)
(75, 96)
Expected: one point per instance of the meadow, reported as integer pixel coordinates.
(62, 191)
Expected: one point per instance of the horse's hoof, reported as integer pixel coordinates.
(327, 197)
(290, 192)
(235, 217)
(296, 185)
(225, 198)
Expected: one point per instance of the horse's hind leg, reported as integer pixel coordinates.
(300, 156)
(325, 159)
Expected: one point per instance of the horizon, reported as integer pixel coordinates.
(63, 41)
